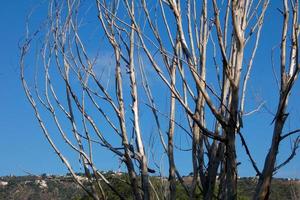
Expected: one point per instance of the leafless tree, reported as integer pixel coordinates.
(289, 70)
(196, 51)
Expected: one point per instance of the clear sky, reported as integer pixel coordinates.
(22, 146)
(24, 149)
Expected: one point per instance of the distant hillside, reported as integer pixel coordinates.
(39, 187)
(282, 189)
(63, 188)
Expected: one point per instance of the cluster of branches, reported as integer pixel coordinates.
(180, 41)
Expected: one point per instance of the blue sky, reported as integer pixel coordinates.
(24, 149)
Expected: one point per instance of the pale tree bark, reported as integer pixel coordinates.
(233, 65)
(172, 167)
(135, 110)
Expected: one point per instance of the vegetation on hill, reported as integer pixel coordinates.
(63, 187)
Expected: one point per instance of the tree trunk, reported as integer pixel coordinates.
(230, 151)
(262, 190)
(213, 166)
(172, 170)
(231, 167)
